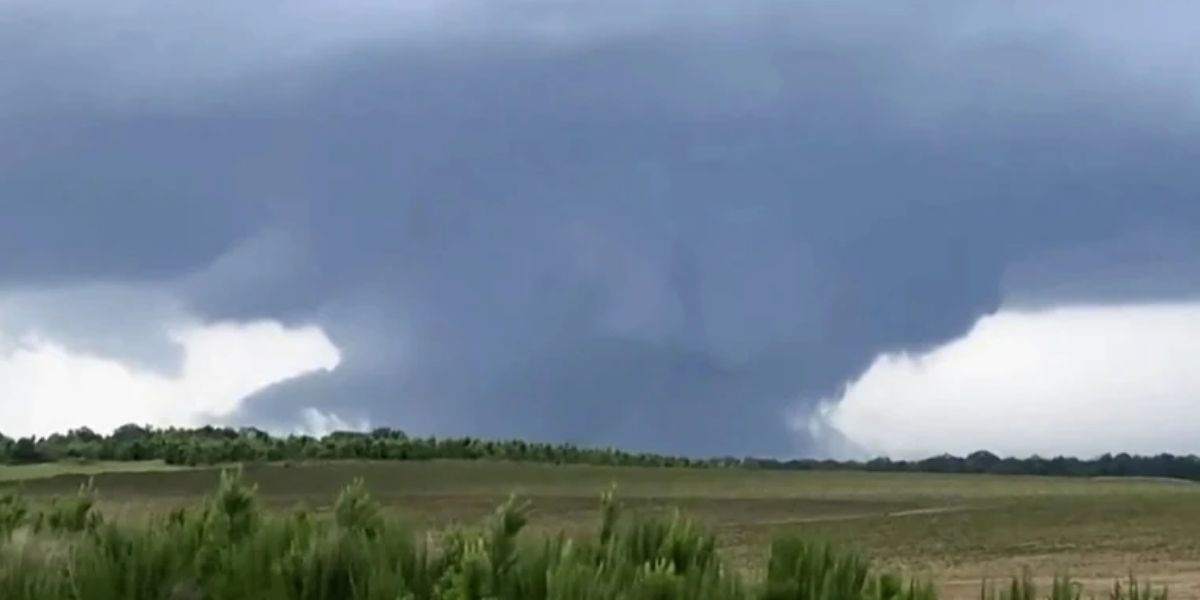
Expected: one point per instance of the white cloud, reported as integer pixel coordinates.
(1074, 380)
(46, 386)
(319, 423)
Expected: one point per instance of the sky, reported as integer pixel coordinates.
(755, 228)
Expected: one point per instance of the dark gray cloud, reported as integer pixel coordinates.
(663, 225)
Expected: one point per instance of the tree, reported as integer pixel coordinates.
(84, 434)
(25, 450)
(130, 433)
(981, 461)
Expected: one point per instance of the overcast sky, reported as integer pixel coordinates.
(706, 227)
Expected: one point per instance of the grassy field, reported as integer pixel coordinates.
(956, 529)
(9, 473)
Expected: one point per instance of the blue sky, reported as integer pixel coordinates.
(684, 226)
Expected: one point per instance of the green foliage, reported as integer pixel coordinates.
(13, 512)
(1136, 590)
(73, 514)
(1023, 588)
(222, 445)
(232, 512)
(219, 445)
(355, 510)
(803, 570)
(1064, 588)
(609, 512)
(229, 548)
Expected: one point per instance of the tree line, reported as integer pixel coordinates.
(222, 445)
(209, 445)
(984, 462)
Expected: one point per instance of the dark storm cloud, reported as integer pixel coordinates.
(652, 226)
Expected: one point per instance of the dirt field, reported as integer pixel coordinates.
(957, 529)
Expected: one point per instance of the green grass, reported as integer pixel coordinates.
(957, 529)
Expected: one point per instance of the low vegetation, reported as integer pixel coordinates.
(222, 445)
(228, 547)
